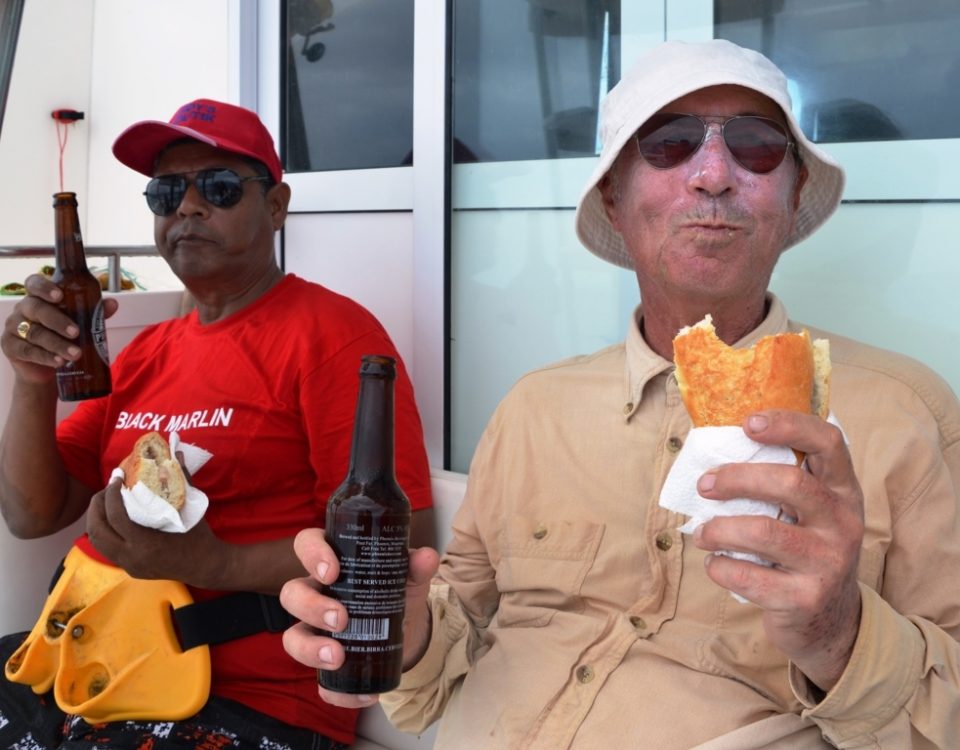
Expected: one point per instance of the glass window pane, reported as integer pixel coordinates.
(529, 75)
(861, 71)
(523, 292)
(348, 96)
(10, 14)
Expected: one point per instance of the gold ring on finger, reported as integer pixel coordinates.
(23, 328)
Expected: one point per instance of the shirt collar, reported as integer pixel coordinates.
(643, 364)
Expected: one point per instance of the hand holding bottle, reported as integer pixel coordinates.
(79, 356)
(303, 599)
(38, 336)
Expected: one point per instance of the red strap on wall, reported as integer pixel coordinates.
(64, 118)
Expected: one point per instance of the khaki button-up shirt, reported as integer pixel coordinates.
(569, 612)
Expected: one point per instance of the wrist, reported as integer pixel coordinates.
(418, 631)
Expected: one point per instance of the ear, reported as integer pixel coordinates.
(802, 175)
(278, 201)
(609, 196)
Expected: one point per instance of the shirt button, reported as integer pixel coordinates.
(628, 407)
(664, 541)
(638, 622)
(540, 532)
(584, 674)
(674, 444)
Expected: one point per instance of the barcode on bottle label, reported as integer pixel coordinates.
(365, 629)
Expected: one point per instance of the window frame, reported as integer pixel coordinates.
(421, 189)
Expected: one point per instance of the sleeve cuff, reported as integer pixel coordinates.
(446, 629)
(883, 673)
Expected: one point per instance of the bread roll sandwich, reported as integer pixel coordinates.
(151, 462)
(721, 386)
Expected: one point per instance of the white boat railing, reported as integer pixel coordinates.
(112, 253)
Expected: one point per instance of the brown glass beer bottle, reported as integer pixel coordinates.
(368, 526)
(89, 376)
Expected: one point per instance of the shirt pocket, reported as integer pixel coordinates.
(542, 566)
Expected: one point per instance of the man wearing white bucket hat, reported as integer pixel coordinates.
(568, 611)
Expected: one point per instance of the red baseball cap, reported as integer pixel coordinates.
(222, 125)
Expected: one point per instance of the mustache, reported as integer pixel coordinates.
(187, 230)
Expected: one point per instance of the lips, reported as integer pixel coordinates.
(712, 223)
(187, 236)
(189, 239)
(711, 226)
(711, 230)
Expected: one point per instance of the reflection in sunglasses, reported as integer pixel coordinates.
(758, 144)
(222, 188)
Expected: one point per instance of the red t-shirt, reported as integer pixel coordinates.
(270, 391)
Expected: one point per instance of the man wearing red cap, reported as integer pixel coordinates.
(261, 380)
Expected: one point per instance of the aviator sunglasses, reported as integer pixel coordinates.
(222, 188)
(756, 143)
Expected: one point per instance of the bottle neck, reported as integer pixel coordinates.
(372, 453)
(68, 242)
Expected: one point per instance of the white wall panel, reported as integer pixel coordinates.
(367, 257)
(147, 60)
(117, 62)
(51, 71)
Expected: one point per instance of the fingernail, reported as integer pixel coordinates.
(366, 699)
(322, 569)
(326, 655)
(706, 482)
(758, 423)
(72, 332)
(330, 617)
(698, 533)
(73, 351)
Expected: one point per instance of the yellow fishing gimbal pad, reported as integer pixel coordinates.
(105, 644)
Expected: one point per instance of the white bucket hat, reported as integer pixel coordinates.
(674, 69)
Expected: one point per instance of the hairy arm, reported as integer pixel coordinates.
(37, 496)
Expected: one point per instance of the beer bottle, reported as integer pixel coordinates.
(368, 526)
(89, 376)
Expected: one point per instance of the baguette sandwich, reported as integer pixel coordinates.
(721, 386)
(151, 462)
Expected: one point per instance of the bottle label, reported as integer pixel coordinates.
(372, 587)
(98, 332)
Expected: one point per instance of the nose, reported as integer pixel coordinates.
(192, 202)
(712, 168)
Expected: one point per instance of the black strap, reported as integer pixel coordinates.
(229, 617)
(56, 576)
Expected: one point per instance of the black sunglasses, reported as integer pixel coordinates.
(758, 144)
(222, 188)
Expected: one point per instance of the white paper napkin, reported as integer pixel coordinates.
(706, 448)
(149, 509)
(194, 457)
